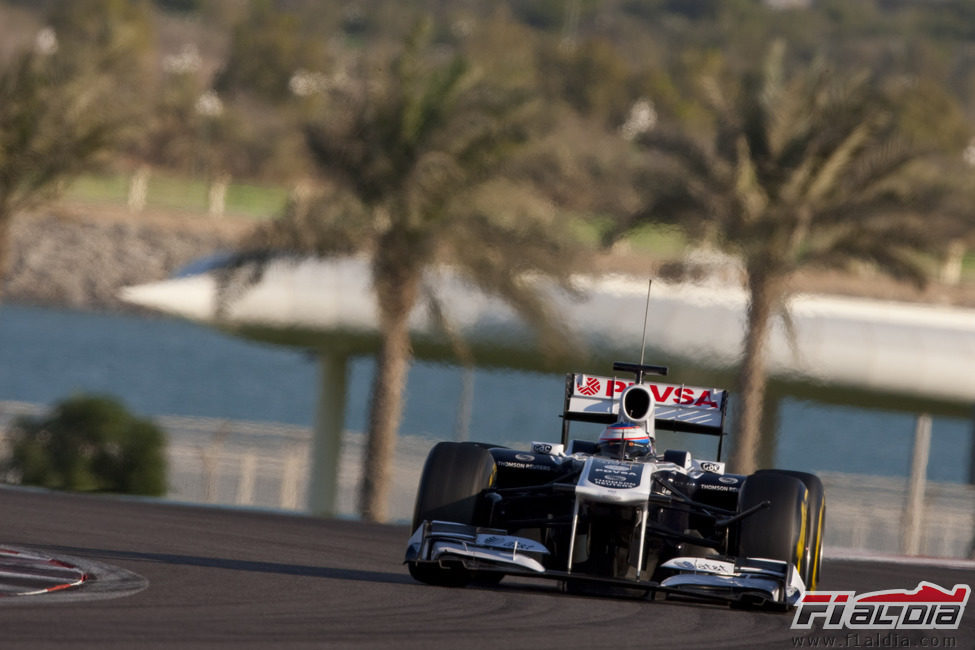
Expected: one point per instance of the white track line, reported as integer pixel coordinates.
(43, 566)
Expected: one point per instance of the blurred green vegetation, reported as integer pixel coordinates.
(169, 191)
(659, 241)
(89, 443)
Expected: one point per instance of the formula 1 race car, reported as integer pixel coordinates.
(614, 516)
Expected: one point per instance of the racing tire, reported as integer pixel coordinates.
(778, 532)
(454, 475)
(811, 565)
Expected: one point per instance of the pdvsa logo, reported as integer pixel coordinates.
(589, 386)
(928, 607)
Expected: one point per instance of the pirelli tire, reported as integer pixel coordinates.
(778, 532)
(812, 560)
(454, 475)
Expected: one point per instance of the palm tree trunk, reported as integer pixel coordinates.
(5, 252)
(385, 411)
(396, 279)
(753, 373)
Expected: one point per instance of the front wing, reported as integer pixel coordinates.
(751, 581)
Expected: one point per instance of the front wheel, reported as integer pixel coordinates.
(812, 557)
(778, 532)
(453, 478)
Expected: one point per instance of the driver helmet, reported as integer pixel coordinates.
(628, 440)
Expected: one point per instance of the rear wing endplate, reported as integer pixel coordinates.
(691, 409)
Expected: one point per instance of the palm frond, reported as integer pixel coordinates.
(697, 160)
(893, 243)
(900, 262)
(509, 225)
(892, 205)
(672, 203)
(426, 107)
(884, 166)
(836, 163)
(319, 225)
(525, 295)
(461, 348)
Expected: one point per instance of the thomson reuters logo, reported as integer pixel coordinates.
(928, 607)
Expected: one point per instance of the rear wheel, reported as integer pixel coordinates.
(778, 532)
(453, 478)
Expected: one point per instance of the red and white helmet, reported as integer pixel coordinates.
(625, 440)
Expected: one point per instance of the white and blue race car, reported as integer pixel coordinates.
(614, 515)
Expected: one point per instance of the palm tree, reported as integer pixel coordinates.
(416, 168)
(818, 170)
(66, 102)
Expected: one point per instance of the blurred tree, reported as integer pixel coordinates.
(180, 6)
(90, 443)
(417, 159)
(277, 65)
(267, 49)
(815, 170)
(552, 15)
(106, 47)
(66, 102)
(171, 134)
(194, 130)
(577, 160)
(592, 77)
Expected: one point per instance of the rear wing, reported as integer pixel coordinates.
(691, 409)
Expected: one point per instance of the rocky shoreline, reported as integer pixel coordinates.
(68, 257)
(79, 256)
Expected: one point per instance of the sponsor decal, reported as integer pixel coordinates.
(721, 568)
(510, 464)
(730, 480)
(717, 488)
(588, 387)
(928, 607)
(527, 458)
(662, 393)
(615, 476)
(512, 543)
(548, 448)
(708, 466)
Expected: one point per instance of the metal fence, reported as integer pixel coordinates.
(871, 513)
(266, 465)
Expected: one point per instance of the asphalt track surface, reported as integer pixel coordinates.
(166, 575)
